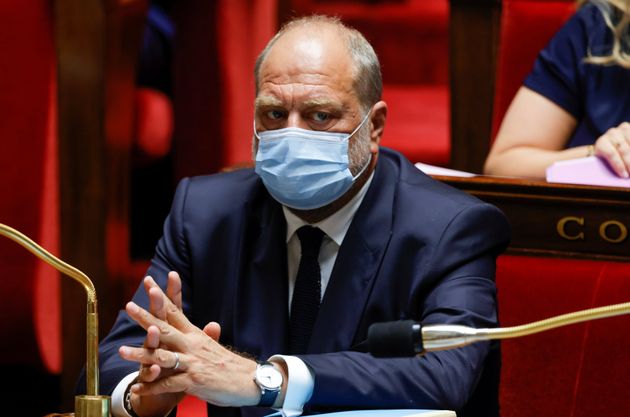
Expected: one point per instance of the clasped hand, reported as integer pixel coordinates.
(204, 368)
(614, 146)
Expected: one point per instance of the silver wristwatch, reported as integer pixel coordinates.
(269, 380)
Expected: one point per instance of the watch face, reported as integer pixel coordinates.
(269, 377)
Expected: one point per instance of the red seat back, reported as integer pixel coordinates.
(29, 301)
(577, 370)
(410, 38)
(244, 29)
(526, 27)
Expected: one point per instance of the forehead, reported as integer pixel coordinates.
(313, 60)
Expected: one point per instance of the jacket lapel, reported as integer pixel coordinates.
(260, 304)
(357, 265)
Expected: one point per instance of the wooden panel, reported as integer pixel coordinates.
(474, 29)
(558, 219)
(97, 44)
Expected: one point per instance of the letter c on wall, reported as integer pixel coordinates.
(562, 223)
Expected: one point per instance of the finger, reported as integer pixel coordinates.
(624, 145)
(606, 146)
(157, 302)
(162, 358)
(213, 330)
(152, 341)
(173, 309)
(169, 335)
(172, 384)
(174, 289)
(156, 297)
(178, 319)
(149, 373)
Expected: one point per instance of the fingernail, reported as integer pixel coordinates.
(132, 307)
(135, 388)
(123, 350)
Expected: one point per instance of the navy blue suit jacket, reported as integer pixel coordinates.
(416, 249)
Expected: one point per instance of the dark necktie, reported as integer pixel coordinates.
(307, 290)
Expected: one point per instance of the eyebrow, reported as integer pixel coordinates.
(267, 101)
(271, 101)
(323, 102)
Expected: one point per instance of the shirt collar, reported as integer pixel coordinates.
(336, 225)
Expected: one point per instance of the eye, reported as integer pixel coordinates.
(321, 116)
(274, 114)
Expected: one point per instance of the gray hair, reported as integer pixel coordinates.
(368, 82)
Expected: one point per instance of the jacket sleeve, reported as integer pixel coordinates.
(462, 268)
(171, 254)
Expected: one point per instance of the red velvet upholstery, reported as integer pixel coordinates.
(29, 300)
(153, 123)
(520, 43)
(243, 29)
(575, 371)
(427, 123)
(192, 407)
(411, 39)
(410, 36)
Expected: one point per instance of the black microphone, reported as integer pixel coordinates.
(395, 339)
(409, 338)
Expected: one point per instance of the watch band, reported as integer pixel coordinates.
(267, 396)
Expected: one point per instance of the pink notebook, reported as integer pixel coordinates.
(588, 171)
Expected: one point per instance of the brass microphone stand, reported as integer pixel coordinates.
(91, 404)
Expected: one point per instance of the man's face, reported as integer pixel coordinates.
(306, 81)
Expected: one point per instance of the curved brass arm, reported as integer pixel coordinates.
(441, 337)
(92, 398)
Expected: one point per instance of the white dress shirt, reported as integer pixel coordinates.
(301, 380)
(335, 228)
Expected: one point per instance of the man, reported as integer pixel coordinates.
(235, 259)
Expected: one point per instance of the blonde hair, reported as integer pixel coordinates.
(616, 14)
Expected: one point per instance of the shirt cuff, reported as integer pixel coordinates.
(300, 383)
(118, 396)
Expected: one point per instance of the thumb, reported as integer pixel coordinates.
(213, 329)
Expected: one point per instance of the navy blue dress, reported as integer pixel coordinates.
(598, 96)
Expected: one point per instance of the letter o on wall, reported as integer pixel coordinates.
(603, 231)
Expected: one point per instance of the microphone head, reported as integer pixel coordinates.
(394, 339)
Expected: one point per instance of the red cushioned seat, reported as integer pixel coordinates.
(519, 44)
(411, 40)
(29, 300)
(602, 385)
(572, 371)
(192, 407)
(153, 123)
(418, 122)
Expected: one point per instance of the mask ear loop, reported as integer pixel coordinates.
(354, 178)
(356, 128)
(255, 132)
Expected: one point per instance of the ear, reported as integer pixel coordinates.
(379, 114)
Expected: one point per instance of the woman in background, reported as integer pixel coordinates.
(576, 101)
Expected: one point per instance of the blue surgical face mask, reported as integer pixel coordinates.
(305, 169)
